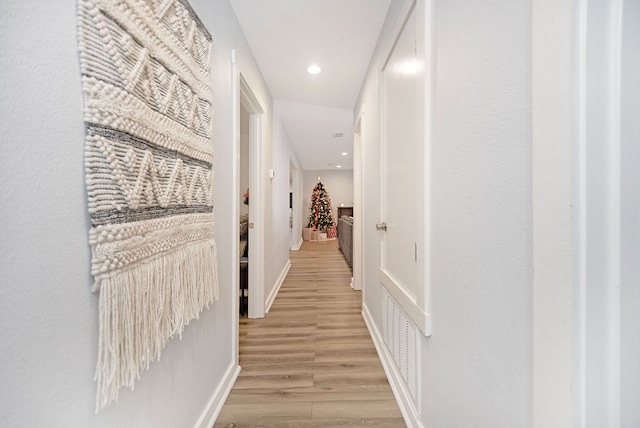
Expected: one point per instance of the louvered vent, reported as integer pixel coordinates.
(399, 334)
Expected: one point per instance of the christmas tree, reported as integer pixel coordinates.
(320, 217)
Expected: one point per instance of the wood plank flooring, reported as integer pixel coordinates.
(311, 362)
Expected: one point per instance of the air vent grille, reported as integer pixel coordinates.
(400, 334)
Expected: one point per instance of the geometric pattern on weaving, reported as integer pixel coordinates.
(131, 176)
(187, 28)
(145, 67)
(135, 71)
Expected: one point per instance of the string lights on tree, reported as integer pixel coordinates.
(320, 217)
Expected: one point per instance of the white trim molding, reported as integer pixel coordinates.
(297, 246)
(214, 406)
(276, 289)
(421, 318)
(235, 262)
(577, 211)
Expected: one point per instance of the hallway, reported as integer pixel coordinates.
(311, 362)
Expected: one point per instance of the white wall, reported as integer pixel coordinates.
(477, 365)
(339, 185)
(278, 244)
(47, 311)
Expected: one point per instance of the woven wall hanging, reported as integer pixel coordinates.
(148, 158)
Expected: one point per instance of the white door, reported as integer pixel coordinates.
(401, 227)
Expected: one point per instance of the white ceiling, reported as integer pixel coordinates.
(286, 37)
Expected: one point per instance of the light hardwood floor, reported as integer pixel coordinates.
(311, 362)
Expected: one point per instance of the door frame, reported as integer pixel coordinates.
(244, 96)
(256, 204)
(577, 212)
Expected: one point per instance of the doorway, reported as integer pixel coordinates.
(243, 210)
(249, 140)
(295, 227)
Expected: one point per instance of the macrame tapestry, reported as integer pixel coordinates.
(148, 158)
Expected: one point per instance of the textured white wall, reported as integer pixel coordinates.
(47, 311)
(339, 184)
(289, 176)
(477, 364)
(277, 247)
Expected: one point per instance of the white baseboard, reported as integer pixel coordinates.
(274, 292)
(211, 412)
(402, 394)
(297, 246)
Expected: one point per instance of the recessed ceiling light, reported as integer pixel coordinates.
(338, 166)
(314, 69)
(344, 153)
